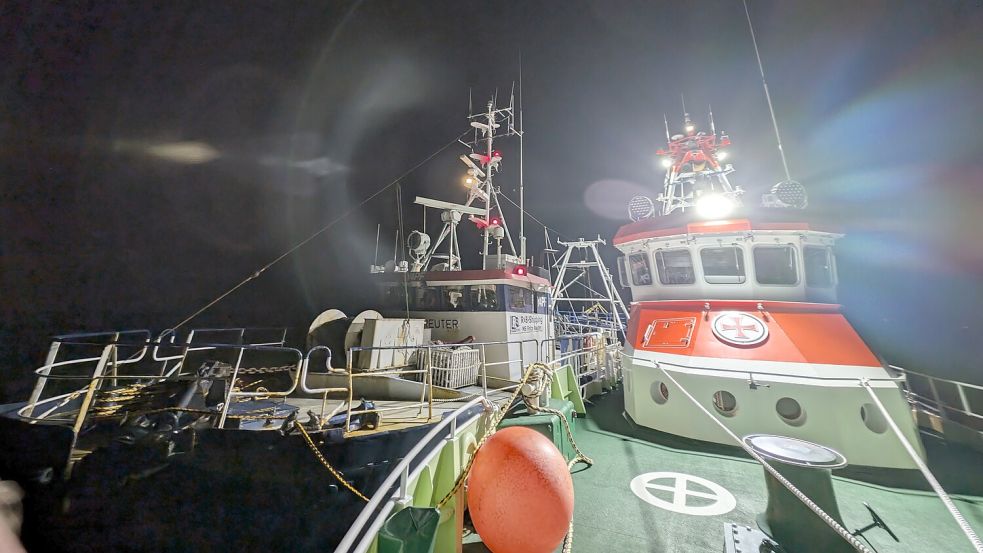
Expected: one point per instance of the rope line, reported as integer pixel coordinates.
(946, 500)
(830, 521)
(491, 430)
(533, 217)
(319, 232)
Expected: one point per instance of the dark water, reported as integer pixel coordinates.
(154, 155)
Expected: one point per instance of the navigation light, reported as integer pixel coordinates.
(714, 206)
(667, 162)
(519, 270)
(721, 155)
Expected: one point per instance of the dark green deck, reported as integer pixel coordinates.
(610, 517)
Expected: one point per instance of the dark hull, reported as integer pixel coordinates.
(234, 491)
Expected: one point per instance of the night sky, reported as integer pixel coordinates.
(154, 155)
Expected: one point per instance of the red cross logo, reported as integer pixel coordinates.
(739, 328)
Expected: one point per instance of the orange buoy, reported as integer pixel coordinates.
(520, 492)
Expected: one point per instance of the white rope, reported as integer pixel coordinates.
(946, 500)
(830, 521)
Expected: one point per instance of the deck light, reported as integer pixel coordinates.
(721, 155)
(667, 162)
(714, 206)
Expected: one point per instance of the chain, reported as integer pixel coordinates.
(490, 430)
(266, 370)
(334, 472)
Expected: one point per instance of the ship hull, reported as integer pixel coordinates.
(784, 381)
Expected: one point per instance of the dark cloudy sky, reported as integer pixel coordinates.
(154, 154)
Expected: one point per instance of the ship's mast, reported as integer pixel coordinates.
(482, 207)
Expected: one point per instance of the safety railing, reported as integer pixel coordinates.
(951, 400)
(752, 374)
(114, 359)
(395, 489)
(127, 358)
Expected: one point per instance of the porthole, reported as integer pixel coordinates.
(873, 419)
(790, 411)
(660, 392)
(725, 403)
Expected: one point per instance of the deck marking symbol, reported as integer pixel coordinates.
(681, 486)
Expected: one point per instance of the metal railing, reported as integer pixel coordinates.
(952, 400)
(123, 360)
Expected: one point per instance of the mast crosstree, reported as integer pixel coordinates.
(482, 206)
(574, 276)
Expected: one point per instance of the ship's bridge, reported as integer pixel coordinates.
(667, 258)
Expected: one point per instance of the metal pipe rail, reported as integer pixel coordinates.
(394, 489)
(752, 374)
(945, 405)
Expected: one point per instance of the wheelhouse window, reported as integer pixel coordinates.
(675, 267)
(622, 272)
(542, 302)
(819, 266)
(484, 297)
(455, 298)
(775, 265)
(641, 271)
(425, 298)
(394, 296)
(520, 299)
(723, 265)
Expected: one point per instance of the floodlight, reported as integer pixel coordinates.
(714, 206)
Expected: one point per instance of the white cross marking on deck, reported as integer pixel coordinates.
(722, 501)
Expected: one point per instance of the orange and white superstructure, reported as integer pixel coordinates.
(741, 312)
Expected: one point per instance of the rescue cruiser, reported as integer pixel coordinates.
(739, 306)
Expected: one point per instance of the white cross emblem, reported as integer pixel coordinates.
(711, 498)
(739, 328)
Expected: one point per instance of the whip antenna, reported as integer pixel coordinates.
(771, 109)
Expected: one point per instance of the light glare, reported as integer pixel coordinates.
(714, 206)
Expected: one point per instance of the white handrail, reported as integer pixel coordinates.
(383, 494)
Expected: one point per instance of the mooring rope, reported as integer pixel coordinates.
(946, 500)
(830, 521)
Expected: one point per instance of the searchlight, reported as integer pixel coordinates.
(714, 206)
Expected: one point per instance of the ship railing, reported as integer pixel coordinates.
(752, 375)
(78, 357)
(416, 363)
(951, 400)
(79, 365)
(395, 489)
(593, 356)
